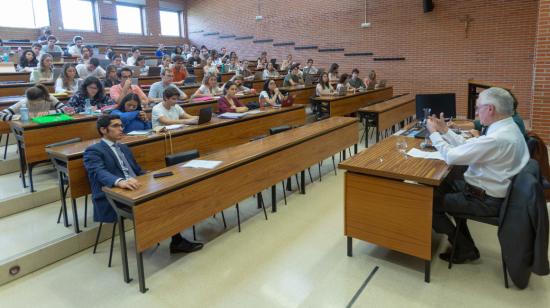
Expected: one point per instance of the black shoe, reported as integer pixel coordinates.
(460, 257)
(185, 246)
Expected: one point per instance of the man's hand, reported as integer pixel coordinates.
(191, 121)
(127, 84)
(436, 124)
(474, 132)
(142, 116)
(130, 184)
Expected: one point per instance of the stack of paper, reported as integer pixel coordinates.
(231, 115)
(205, 164)
(414, 152)
(139, 132)
(174, 126)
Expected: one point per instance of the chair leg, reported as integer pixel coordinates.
(224, 223)
(284, 191)
(297, 182)
(334, 165)
(505, 270)
(112, 244)
(261, 200)
(86, 211)
(194, 233)
(60, 212)
(97, 236)
(238, 217)
(310, 177)
(320, 175)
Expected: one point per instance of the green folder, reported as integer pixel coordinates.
(52, 118)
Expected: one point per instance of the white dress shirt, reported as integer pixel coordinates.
(492, 159)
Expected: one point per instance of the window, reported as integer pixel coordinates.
(130, 19)
(27, 14)
(78, 14)
(170, 23)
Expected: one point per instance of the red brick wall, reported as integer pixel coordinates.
(109, 30)
(439, 58)
(541, 92)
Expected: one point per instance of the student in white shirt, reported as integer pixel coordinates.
(143, 69)
(90, 69)
(76, 49)
(324, 87)
(131, 61)
(492, 160)
(209, 87)
(210, 67)
(86, 54)
(271, 94)
(270, 71)
(169, 112)
(66, 82)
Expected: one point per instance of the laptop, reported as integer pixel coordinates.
(151, 62)
(205, 115)
(135, 71)
(154, 71)
(309, 79)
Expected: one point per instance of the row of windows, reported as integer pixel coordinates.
(82, 15)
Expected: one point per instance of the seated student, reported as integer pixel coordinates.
(161, 51)
(216, 60)
(90, 69)
(51, 46)
(370, 81)
(178, 51)
(229, 102)
(116, 60)
(233, 65)
(223, 56)
(37, 49)
(76, 49)
(186, 51)
(27, 62)
(87, 54)
(195, 59)
(270, 71)
(209, 87)
(169, 112)
(192, 52)
(356, 82)
(205, 53)
(324, 87)
(37, 100)
(109, 52)
(210, 67)
(157, 89)
(165, 63)
(333, 72)
(91, 89)
(132, 61)
(271, 94)
(245, 72)
(343, 83)
(262, 64)
(66, 82)
(292, 78)
(111, 78)
(263, 59)
(143, 69)
(110, 163)
(179, 71)
(45, 71)
(119, 91)
(132, 115)
(238, 81)
(309, 68)
(43, 38)
(287, 63)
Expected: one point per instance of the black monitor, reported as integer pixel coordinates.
(445, 102)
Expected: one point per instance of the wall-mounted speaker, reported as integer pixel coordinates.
(428, 6)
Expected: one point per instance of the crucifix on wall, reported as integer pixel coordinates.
(466, 20)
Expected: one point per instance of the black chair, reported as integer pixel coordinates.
(182, 157)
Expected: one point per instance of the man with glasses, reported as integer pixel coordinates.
(492, 160)
(111, 163)
(76, 49)
(126, 87)
(157, 89)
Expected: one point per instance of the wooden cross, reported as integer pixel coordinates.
(466, 20)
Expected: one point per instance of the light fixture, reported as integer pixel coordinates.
(365, 24)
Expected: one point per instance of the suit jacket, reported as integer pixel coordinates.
(103, 170)
(523, 229)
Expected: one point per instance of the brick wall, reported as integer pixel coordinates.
(541, 92)
(109, 30)
(439, 58)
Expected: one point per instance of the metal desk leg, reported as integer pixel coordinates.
(123, 251)
(6, 146)
(30, 178)
(344, 154)
(63, 195)
(141, 270)
(75, 216)
(350, 247)
(274, 198)
(377, 133)
(289, 184)
(22, 163)
(303, 182)
(427, 266)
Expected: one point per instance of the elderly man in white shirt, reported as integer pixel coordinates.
(492, 159)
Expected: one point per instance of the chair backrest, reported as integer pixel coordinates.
(531, 145)
(279, 129)
(181, 157)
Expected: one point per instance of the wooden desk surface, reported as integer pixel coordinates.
(350, 103)
(20, 88)
(389, 104)
(383, 160)
(17, 76)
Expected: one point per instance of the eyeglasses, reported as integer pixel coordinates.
(479, 107)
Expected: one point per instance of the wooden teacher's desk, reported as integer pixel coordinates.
(388, 198)
(162, 207)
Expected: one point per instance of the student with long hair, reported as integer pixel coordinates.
(324, 87)
(91, 89)
(45, 71)
(333, 74)
(66, 82)
(271, 94)
(131, 113)
(111, 78)
(38, 101)
(27, 61)
(209, 87)
(229, 101)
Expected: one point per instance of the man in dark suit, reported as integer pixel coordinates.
(110, 163)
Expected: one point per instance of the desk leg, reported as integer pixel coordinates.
(274, 198)
(427, 266)
(344, 154)
(350, 247)
(303, 182)
(63, 196)
(22, 163)
(30, 178)
(75, 216)
(377, 133)
(355, 148)
(123, 251)
(141, 271)
(289, 184)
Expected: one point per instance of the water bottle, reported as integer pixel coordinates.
(24, 111)
(6, 57)
(88, 107)
(223, 68)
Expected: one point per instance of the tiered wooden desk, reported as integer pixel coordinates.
(350, 103)
(380, 208)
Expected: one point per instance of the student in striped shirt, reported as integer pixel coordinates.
(39, 102)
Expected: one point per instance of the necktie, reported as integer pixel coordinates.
(126, 168)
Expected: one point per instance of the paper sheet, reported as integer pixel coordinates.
(255, 111)
(231, 115)
(174, 126)
(205, 164)
(414, 152)
(139, 133)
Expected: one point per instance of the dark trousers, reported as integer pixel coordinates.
(450, 198)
